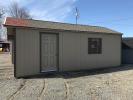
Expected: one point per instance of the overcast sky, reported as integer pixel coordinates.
(114, 14)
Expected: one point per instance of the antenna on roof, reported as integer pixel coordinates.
(77, 15)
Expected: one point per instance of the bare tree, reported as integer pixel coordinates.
(18, 12)
(2, 12)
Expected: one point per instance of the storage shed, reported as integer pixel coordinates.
(44, 46)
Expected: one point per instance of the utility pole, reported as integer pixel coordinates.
(77, 15)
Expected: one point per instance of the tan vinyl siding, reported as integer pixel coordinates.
(27, 52)
(75, 51)
(71, 51)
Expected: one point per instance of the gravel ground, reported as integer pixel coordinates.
(105, 84)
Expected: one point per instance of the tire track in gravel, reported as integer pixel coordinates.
(54, 89)
(32, 90)
(67, 89)
(19, 89)
(43, 90)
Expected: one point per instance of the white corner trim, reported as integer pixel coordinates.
(4, 20)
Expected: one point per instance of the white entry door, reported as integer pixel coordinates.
(49, 52)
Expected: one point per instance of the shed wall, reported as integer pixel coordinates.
(27, 52)
(75, 51)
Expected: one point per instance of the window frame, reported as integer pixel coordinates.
(96, 42)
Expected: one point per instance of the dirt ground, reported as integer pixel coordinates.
(104, 84)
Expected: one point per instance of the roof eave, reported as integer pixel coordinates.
(59, 30)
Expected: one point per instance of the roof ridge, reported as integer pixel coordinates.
(56, 25)
(60, 22)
